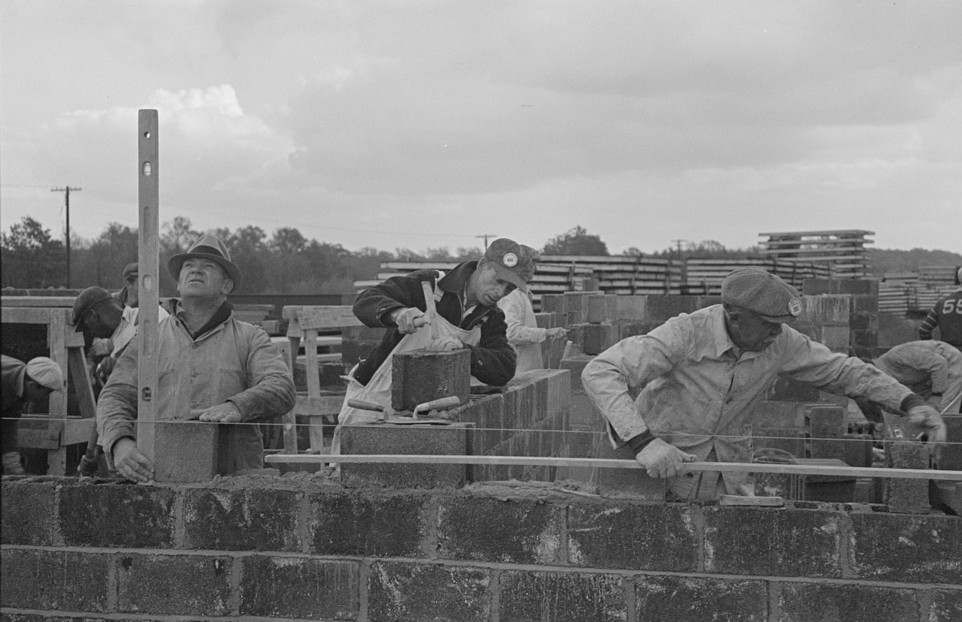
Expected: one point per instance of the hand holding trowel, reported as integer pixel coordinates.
(405, 417)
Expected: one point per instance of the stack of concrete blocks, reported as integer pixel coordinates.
(907, 495)
(551, 349)
(863, 320)
(949, 494)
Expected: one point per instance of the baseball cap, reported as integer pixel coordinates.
(763, 293)
(512, 261)
(45, 372)
(85, 301)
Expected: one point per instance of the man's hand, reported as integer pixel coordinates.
(130, 463)
(409, 319)
(557, 333)
(446, 344)
(662, 459)
(11, 463)
(931, 421)
(222, 413)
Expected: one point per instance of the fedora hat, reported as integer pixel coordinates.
(207, 247)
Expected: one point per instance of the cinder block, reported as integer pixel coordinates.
(789, 439)
(907, 495)
(486, 412)
(299, 587)
(575, 366)
(836, 338)
(501, 531)
(576, 302)
(951, 458)
(426, 591)
(824, 421)
(367, 525)
(597, 311)
(421, 439)
(29, 513)
(552, 303)
(629, 536)
(185, 451)
(659, 309)
(826, 310)
(946, 606)
(54, 580)
(829, 601)
(778, 414)
(561, 597)
(117, 515)
(858, 450)
(420, 376)
(584, 413)
(694, 598)
(547, 320)
(571, 317)
(255, 519)
(598, 337)
(520, 401)
(186, 585)
(908, 548)
(626, 482)
(630, 308)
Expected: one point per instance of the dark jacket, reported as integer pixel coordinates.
(493, 360)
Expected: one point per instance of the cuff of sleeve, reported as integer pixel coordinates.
(911, 401)
(637, 443)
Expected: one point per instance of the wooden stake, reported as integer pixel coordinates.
(148, 171)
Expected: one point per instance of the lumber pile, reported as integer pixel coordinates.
(843, 251)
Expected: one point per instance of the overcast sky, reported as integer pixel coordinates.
(408, 124)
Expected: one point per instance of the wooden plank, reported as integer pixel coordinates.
(148, 173)
(65, 302)
(321, 317)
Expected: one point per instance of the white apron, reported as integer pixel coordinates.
(378, 388)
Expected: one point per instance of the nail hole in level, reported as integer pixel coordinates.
(147, 169)
(146, 134)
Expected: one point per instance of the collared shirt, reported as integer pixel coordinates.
(127, 329)
(695, 391)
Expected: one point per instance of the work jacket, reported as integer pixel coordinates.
(524, 335)
(927, 367)
(696, 391)
(233, 362)
(492, 360)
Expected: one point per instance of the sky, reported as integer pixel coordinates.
(407, 124)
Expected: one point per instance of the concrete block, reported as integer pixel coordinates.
(575, 365)
(946, 606)
(649, 536)
(547, 320)
(186, 585)
(570, 317)
(598, 337)
(367, 525)
(423, 439)
(185, 451)
(778, 414)
(696, 598)
(420, 376)
(858, 450)
(256, 519)
(836, 338)
(552, 303)
(576, 302)
(951, 458)
(558, 384)
(596, 309)
(824, 421)
(486, 413)
(826, 310)
(28, 513)
(633, 483)
(585, 414)
(520, 401)
(659, 309)
(906, 547)
(54, 580)
(114, 514)
(299, 587)
(418, 591)
(907, 495)
(837, 602)
(790, 439)
(739, 541)
(561, 597)
(630, 308)
(503, 531)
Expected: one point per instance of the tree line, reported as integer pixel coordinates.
(286, 262)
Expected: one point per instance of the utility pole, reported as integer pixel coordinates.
(678, 245)
(486, 236)
(66, 190)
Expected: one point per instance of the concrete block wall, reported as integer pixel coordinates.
(295, 548)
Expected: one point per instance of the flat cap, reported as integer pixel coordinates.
(87, 300)
(130, 270)
(45, 372)
(763, 293)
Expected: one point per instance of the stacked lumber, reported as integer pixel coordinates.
(842, 250)
(902, 292)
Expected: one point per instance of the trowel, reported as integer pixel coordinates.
(389, 415)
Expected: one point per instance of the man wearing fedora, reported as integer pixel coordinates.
(688, 389)
(209, 363)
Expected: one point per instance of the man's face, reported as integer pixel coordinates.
(131, 284)
(490, 287)
(203, 278)
(750, 331)
(103, 319)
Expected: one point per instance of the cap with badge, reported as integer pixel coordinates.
(45, 372)
(512, 261)
(763, 293)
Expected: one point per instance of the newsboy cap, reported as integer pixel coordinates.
(763, 293)
(512, 261)
(45, 372)
(85, 301)
(130, 270)
(207, 247)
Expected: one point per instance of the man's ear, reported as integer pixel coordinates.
(229, 289)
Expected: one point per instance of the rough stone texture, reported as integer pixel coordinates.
(423, 439)
(185, 451)
(633, 537)
(345, 523)
(486, 412)
(28, 513)
(951, 459)
(684, 598)
(596, 311)
(907, 495)
(420, 376)
(902, 547)
(946, 606)
(501, 531)
(811, 602)
(174, 584)
(596, 338)
(425, 593)
(239, 520)
(561, 597)
(520, 403)
(757, 541)
(300, 587)
(53, 580)
(116, 514)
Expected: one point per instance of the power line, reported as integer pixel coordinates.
(66, 190)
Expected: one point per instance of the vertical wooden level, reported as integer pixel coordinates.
(148, 170)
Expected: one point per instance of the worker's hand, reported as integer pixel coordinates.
(409, 319)
(222, 413)
(104, 368)
(12, 464)
(130, 463)
(445, 344)
(557, 333)
(931, 422)
(662, 459)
